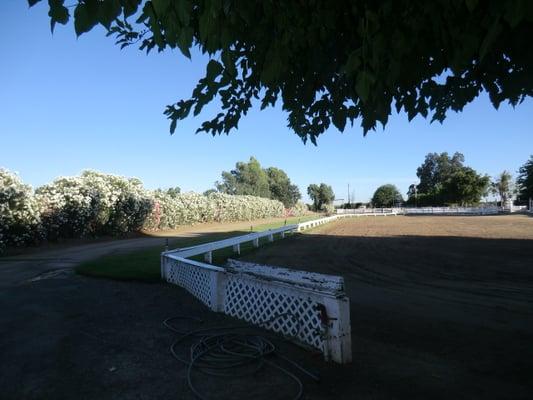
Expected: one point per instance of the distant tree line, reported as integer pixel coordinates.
(249, 178)
(445, 180)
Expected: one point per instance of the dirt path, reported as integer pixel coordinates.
(20, 268)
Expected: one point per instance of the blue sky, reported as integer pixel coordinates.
(69, 104)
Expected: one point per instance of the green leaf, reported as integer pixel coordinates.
(58, 13)
(108, 11)
(491, 36)
(364, 82)
(229, 65)
(271, 68)
(339, 118)
(354, 62)
(130, 7)
(33, 2)
(214, 68)
(173, 126)
(84, 19)
(185, 38)
(160, 6)
(183, 8)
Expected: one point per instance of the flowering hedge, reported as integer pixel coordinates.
(19, 212)
(298, 210)
(94, 204)
(329, 209)
(190, 208)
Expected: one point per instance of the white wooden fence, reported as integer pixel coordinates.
(311, 308)
(453, 210)
(423, 210)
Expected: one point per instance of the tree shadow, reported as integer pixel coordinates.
(429, 312)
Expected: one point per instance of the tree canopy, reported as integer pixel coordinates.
(246, 179)
(524, 180)
(281, 187)
(328, 63)
(321, 195)
(446, 180)
(251, 179)
(386, 196)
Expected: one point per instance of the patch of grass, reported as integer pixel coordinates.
(144, 265)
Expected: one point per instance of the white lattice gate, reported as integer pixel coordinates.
(311, 308)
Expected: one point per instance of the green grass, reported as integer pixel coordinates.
(144, 265)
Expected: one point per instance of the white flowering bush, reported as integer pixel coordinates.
(93, 204)
(190, 208)
(19, 212)
(298, 210)
(329, 209)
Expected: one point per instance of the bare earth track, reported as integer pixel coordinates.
(441, 307)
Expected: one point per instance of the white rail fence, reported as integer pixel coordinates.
(311, 308)
(453, 210)
(425, 210)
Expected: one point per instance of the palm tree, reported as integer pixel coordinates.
(503, 187)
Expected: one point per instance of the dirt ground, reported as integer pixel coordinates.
(441, 307)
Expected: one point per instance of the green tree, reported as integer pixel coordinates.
(503, 187)
(446, 180)
(328, 62)
(281, 187)
(173, 191)
(524, 181)
(465, 187)
(246, 179)
(209, 191)
(386, 196)
(321, 195)
(435, 170)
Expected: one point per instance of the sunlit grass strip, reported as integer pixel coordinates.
(144, 265)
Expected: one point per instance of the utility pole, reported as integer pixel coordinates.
(349, 204)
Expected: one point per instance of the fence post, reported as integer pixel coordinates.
(256, 242)
(163, 267)
(237, 248)
(338, 343)
(208, 257)
(218, 290)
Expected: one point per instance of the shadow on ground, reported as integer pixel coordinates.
(432, 318)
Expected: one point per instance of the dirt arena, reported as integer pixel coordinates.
(441, 307)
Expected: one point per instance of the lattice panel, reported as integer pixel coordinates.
(191, 277)
(249, 299)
